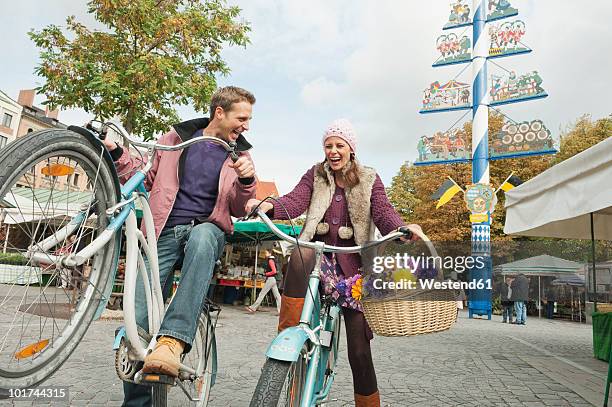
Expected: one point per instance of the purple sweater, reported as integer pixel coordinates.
(199, 185)
(297, 202)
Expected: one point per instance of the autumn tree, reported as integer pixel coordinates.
(581, 135)
(149, 56)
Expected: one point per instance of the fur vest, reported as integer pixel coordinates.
(357, 198)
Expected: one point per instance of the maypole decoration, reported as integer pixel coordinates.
(516, 139)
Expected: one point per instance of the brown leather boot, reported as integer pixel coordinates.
(291, 309)
(373, 400)
(165, 358)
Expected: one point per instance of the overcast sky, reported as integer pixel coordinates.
(311, 62)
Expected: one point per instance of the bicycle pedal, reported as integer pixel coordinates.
(156, 378)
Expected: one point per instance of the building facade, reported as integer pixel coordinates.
(10, 118)
(34, 118)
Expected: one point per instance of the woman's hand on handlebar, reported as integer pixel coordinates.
(252, 204)
(412, 236)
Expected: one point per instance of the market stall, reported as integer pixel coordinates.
(542, 266)
(242, 266)
(568, 201)
(571, 200)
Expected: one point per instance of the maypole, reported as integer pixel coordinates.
(513, 140)
(480, 300)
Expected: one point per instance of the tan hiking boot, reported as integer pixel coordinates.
(165, 358)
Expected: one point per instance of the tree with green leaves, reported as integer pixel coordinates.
(150, 56)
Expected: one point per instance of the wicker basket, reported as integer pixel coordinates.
(426, 312)
(420, 312)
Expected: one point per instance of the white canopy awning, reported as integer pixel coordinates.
(558, 202)
(37, 204)
(543, 265)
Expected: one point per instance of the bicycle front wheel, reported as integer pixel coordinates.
(50, 179)
(281, 383)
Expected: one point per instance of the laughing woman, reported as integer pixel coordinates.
(342, 199)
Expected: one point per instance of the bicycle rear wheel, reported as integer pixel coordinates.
(281, 383)
(46, 179)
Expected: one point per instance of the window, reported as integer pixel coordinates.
(3, 141)
(6, 120)
(75, 180)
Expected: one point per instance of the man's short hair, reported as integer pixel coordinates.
(227, 96)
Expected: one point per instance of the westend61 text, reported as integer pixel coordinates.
(404, 284)
(404, 261)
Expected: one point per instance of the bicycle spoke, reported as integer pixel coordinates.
(42, 301)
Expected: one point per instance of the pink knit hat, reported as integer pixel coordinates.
(344, 129)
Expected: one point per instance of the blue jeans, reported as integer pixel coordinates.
(550, 309)
(521, 312)
(507, 313)
(198, 248)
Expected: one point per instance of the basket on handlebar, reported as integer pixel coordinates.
(414, 311)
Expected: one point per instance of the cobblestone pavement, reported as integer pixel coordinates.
(475, 363)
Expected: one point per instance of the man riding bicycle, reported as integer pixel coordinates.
(193, 193)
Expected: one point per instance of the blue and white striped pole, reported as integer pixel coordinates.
(480, 94)
(480, 300)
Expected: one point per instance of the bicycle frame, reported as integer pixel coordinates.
(120, 214)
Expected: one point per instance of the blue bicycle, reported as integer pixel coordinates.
(63, 214)
(301, 360)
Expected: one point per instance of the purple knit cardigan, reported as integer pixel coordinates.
(297, 202)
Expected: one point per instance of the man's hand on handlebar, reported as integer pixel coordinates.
(244, 167)
(101, 132)
(109, 144)
(409, 232)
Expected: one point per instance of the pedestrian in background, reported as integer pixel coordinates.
(273, 277)
(507, 305)
(520, 296)
(550, 297)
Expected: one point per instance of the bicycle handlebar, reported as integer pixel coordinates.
(229, 147)
(403, 232)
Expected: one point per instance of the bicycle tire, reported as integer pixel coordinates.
(275, 375)
(19, 165)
